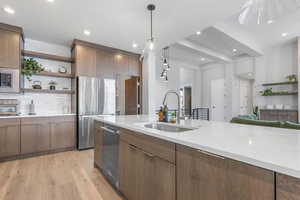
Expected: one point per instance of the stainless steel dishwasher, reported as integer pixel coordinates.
(110, 154)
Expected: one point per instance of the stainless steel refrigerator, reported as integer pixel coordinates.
(96, 96)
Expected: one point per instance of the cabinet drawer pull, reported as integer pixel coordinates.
(211, 154)
(132, 147)
(148, 154)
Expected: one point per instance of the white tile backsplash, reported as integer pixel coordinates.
(46, 103)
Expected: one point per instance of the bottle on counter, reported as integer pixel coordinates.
(166, 113)
(161, 115)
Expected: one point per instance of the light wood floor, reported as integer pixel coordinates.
(62, 176)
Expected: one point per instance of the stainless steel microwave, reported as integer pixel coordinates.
(9, 80)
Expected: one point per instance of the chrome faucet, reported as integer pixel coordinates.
(178, 100)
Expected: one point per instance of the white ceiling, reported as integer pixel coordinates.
(213, 45)
(268, 35)
(187, 55)
(115, 23)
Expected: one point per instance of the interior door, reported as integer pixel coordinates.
(217, 99)
(188, 101)
(132, 96)
(244, 98)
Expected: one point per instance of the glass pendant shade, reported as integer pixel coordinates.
(165, 62)
(163, 74)
(166, 79)
(265, 11)
(168, 67)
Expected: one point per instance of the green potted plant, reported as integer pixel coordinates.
(267, 92)
(292, 78)
(31, 67)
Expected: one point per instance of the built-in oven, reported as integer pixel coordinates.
(9, 80)
(110, 154)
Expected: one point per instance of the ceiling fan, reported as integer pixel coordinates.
(266, 11)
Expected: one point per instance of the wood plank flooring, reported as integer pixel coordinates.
(63, 176)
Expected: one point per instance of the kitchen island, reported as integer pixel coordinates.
(214, 160)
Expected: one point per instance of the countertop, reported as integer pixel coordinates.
(275, 149)
(37, 115)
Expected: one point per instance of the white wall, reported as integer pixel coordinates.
(46, 103)
(277, 63)
(180, 75)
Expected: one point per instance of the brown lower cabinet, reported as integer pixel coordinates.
(205, 176)
(35, 135)
(62, 133)
(145, 175)
(288, 188)
(47, 133)
(9, 137)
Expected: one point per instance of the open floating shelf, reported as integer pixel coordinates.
(55, 74)
(282, 94)
(281, 83)
(48, 91)
(47, 56)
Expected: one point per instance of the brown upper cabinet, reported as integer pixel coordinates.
(11, 45)
(85, 61)
(95, 60)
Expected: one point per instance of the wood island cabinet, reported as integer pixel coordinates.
(287, 188)
(11, 44)
(9, 137)
(146, 174)
(98, 144)
(200, 175)
(205, 176)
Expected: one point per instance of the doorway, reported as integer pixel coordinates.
(187, 92)
(217, 100)
(132, 96)
(245, 97)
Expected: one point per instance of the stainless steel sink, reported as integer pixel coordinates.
(167, 128)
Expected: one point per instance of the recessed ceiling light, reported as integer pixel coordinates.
(50, 1)
(284, 34)
(9, 10)
(270, 21)
(198, 32)
(234, 50)
(134, 45)
(87, 32)
(202, 59)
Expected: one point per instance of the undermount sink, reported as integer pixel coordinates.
(167, 128)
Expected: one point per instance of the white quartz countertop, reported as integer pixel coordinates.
(275, 149)
(37, 115)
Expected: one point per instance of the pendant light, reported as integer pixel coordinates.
(266, 11)
(150, 41)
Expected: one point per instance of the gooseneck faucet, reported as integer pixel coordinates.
(178, 100)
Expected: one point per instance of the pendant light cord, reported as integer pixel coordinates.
(151, 26)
